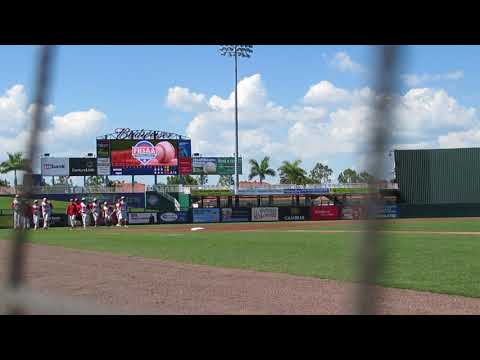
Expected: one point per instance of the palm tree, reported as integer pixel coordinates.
(15, 162)
(292, 173)
(260, 170)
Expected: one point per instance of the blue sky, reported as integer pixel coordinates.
(306, 102)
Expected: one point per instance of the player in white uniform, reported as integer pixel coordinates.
(84, 213)
(16, 212)
(95, 211)
(46, 213)
(107, 215)
(122, 212)
(36, 214)
(118, 213)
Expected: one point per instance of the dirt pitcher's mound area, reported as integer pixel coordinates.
(138, 285)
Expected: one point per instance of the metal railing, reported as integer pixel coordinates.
(69, 189)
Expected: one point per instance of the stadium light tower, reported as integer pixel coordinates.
(236, 51)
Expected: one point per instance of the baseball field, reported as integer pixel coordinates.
(283, 267)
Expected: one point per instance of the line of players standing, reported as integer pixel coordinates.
(24, 213)
(81, 210)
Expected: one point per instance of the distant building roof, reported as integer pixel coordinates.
(253, 184)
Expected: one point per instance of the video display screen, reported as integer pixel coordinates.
(149, 157)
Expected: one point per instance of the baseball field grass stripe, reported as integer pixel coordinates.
(446, 263)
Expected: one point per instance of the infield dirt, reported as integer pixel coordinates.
(138, 285)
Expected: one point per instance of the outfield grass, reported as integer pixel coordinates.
(438, 263)
(449, 225)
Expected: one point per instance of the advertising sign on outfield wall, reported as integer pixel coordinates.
(265, 214)
(205, 215)
(353, 212)
(54, 166)
(59, 220)
(235, 215)
(173, 217)
(327, 212)
(387, 211)
(142, 218)
(294, 213)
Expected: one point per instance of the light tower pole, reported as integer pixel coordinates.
(236, 51)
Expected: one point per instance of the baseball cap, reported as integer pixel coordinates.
(35, 201)
(83, 199)
(123, 197)
(17, 196)
(94, 199)
(44, 199)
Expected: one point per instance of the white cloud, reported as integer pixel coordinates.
(459, 139)
(183, 99)
(12, 109)
(71, 134)
(76, 125)
(331, 122)
(425, 109)
(251, 96)
(413, 80)
(324, 93)
(344, 63)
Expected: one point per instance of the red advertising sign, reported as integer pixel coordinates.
(185, 165)
(327, 212)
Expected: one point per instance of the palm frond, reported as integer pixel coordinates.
(270, 172)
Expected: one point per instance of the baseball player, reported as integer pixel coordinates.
(27, 214)
(118, 213)
(107, 214)
(72, 213)
(36, 209)
(84, 213)
(95, 211)
(122, 212)
(77, 205)
(16, 212)
(46, 212)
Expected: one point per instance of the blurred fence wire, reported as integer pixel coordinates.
(43, 80)
(16, 299)
(371, 254)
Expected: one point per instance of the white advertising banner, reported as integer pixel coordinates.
(55, 166)
(142, 218)
(265, 214)
(103, 166)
